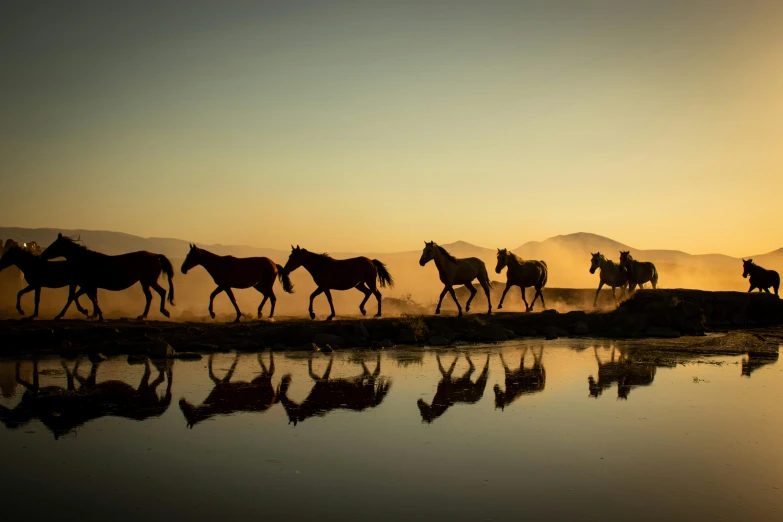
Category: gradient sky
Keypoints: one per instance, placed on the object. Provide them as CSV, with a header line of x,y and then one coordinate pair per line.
x,y
371,126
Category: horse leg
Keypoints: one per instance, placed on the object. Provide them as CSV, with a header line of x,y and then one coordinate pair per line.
x,y
72,292
148,296
377,294
539,293
472,290
261,306
37,301
595,301
442,294
505,290
272,303
96,310
318,291
367,293
212,296
484,282
527,307
162,293
28,288
331,305
454,296
230,295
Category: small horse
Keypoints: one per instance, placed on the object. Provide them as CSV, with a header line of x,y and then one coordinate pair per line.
x,y
340,274
522,273
230,272
453,271
93,270
611,274
639,272
40,274
760,278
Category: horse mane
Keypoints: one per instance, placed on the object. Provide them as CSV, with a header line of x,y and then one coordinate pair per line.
x,y
322,256
515,257
75,241
446,253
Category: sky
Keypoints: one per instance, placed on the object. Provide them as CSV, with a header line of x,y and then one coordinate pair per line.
x,y
371,126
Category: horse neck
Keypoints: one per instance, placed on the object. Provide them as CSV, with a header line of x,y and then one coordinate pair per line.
x,y
25,261
209,260
753,270
513,261
441,260
610,267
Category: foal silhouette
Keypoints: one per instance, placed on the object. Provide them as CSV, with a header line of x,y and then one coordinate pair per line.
x,y
229,397
354,393
451,391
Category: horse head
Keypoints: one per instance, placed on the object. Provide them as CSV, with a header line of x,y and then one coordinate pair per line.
x,y
295,260
193,259
10,257
625,258
595,262
502,260
747,266
428,254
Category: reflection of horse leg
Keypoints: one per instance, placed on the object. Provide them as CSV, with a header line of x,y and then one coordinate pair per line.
x,y
23,291
377,371
505,290
367,293
212,296
267,371
600,285
522,358
162,293
318,291
471,367
443,372
328,294
148,296
212,375
68,376
472,290
454,296
230,295
443,293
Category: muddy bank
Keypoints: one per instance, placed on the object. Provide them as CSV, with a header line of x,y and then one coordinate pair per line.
x,y
659,314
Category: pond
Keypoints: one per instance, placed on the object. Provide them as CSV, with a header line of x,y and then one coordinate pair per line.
x,y
586,430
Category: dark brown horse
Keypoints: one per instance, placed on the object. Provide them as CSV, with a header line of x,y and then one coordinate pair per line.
x,y
523,381
760,278
451,391
343,274
40,274
230,272
453,271
355,393
229,397
93,270
522,273
639,272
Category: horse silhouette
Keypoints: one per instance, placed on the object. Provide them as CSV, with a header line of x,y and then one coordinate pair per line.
x,y
354,393
453,271
522,273
40,274
610,274
230,272
639,272
329,274
625,372
62,410
524,381
229,397
452,391
760,278
94,270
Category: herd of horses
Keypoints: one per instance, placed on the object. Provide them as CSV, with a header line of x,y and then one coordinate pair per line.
x,y
85,271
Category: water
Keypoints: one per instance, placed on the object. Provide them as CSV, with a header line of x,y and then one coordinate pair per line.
x,y
697,441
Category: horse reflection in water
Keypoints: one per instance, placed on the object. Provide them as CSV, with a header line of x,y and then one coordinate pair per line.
x,y
355,393
524,381
625,372
756,360
62,410
451,391
229,397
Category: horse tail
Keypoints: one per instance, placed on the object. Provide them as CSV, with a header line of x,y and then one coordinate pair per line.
x,y
285,281
654,278
384,277
544,275
165,265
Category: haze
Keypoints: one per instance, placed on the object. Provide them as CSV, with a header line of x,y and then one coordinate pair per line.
x,y
373,126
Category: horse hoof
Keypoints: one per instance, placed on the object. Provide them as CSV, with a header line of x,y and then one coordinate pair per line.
x,y
377,315
85,313
165,313
236,321
330,318
500,307
21,312
467,309
212,314
312,315
57,318
141,317
437,312
363,311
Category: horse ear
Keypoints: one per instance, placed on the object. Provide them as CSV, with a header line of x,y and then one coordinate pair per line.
x,y
59,235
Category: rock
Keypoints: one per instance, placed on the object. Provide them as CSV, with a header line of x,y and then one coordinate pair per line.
x,y
326,349
136,359
322,339
406,337
438,340
376,345
278,347
553,332
581,328
188,356
96,357
361,330
662,331
160,350
493,333
550,311
386,343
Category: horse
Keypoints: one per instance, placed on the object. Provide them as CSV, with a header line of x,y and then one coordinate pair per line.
x,y
340,274
627,373
451,391
639,272
94,270
524,381
611,274
354,393
760,278
453,271
229,397
40,274
522,273
230,272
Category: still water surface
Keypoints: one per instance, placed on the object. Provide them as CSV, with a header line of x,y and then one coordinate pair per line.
x,y
422,437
